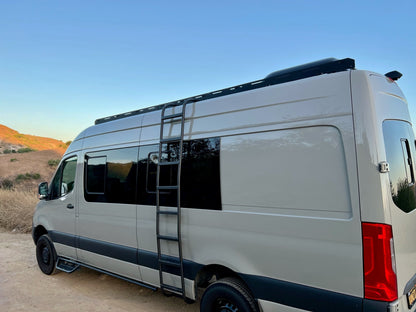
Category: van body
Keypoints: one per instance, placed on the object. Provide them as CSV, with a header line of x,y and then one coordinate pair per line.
x,y
291,193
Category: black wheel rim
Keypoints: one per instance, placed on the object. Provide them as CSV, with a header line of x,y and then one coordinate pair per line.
x,y
46,255
225,305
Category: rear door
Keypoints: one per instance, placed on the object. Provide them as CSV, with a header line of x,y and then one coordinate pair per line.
x,y
106,223
401,157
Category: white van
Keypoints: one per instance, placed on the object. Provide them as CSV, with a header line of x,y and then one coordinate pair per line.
x,y
291,193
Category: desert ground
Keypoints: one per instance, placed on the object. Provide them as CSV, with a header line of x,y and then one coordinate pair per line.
x,y
23,287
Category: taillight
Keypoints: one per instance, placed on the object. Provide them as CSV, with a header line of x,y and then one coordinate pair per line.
x,y
380,281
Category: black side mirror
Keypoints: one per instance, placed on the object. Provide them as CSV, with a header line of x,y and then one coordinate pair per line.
x,y
43,190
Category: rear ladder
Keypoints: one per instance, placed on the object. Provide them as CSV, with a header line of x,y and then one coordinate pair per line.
x,y
166,261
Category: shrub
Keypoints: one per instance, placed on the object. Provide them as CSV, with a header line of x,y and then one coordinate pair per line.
x,y
6,184
16,209
13,159
7,151
53,162
25,150
27,176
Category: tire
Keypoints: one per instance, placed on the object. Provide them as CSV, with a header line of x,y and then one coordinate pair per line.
x,y
228,295
46,255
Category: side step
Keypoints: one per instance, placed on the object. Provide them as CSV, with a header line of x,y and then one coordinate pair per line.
x,y
66,266
76,264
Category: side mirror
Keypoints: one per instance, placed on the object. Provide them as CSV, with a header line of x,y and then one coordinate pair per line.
x,y
43,190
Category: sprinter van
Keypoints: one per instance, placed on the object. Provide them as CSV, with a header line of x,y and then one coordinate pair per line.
x,y
295,192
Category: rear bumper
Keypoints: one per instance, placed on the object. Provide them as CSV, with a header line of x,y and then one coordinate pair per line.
x,y
376,306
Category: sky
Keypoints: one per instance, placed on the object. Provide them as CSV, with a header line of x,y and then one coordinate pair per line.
x,y
64,64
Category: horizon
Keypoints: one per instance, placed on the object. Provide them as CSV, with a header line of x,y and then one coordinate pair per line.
x,y
64,65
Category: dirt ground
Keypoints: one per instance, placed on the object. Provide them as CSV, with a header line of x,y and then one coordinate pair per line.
x,y
23,287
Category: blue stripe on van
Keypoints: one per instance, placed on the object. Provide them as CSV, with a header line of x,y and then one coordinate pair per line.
x,y
119,252
124,253
63,238
286,293
301,296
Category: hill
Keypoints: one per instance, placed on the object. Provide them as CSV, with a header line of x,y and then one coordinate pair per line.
x,y
25,161
20,174
12,140
26,170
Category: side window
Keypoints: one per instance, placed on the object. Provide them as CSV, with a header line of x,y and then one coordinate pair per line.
x,y
201,187
64,179
399,151
200,176
408,163
55,184
147,170
96,174
110,176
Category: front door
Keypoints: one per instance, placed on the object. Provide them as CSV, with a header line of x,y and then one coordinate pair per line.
x,y
63,207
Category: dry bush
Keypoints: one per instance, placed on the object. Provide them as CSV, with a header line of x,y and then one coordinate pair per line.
x,y
16,209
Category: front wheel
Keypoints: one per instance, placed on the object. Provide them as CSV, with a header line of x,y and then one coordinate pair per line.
x,y
46,255
228,295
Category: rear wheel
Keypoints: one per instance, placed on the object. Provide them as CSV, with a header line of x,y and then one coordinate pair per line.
x,y
46,255
228,295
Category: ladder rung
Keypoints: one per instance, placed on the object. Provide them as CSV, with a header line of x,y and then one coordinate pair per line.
x,y
172,288
167,212
169,238
170,263
167,187
172,116
173,139
169,163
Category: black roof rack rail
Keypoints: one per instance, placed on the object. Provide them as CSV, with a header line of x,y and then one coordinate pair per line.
x,y
325,66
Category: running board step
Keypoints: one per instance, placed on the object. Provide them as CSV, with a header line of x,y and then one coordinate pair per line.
x,y
66,266
172,289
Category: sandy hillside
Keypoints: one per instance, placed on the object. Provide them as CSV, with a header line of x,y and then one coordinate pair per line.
x,y
12,139
12,165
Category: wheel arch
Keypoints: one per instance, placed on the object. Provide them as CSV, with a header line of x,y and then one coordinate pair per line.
x,y
38,232
213,272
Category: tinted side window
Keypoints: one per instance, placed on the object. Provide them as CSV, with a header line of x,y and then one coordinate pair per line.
x,y
96,174
400,153
200,176
146,188
68,176
64,179
201,187
111,176
55,189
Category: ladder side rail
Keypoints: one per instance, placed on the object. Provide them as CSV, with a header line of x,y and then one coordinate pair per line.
x,y
158,199
179,198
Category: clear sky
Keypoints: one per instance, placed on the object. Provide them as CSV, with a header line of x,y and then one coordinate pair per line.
x,y
64,64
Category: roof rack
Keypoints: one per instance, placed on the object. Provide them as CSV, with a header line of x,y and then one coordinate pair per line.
x,y
325,66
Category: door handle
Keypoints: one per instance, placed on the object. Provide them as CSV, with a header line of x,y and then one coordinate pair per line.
x,y
70,206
